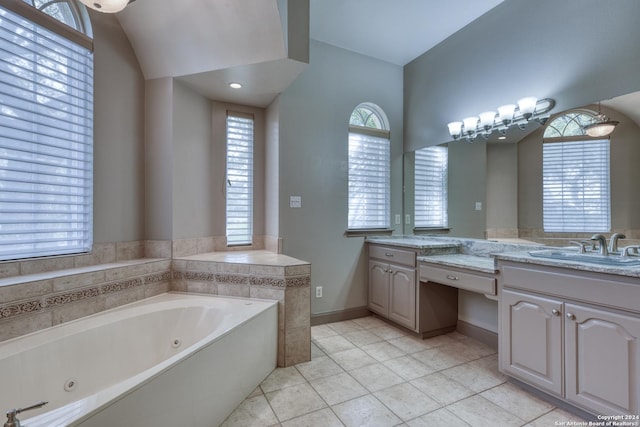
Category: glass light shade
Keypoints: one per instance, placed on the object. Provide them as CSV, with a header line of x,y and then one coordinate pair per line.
x,y
601,129
505,113
470,124
486,119
455,129
106,6
527,106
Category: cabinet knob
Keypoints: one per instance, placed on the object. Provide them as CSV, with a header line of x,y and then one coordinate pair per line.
x,y
388,254
571,316
555,312
450,277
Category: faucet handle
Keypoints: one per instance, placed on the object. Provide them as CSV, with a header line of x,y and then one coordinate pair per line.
x,y
12,421
626,251
581,245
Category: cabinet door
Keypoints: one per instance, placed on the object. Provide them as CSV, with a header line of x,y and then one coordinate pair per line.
x,y
379,287
402,296
531,339
602,360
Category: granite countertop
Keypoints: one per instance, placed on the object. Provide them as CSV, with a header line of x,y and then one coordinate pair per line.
x,y
525,257
414,242
483,264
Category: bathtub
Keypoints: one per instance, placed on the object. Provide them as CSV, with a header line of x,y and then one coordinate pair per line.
x,y
170,360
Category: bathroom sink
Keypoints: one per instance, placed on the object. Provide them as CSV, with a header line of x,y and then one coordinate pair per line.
x,y
591,258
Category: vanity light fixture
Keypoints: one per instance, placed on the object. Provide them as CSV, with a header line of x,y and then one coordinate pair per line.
x,y
601,125
527,109
235,85
107,6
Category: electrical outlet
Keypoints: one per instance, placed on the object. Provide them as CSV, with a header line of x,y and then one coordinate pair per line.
x,y
318,291
407,219
478,206
397,219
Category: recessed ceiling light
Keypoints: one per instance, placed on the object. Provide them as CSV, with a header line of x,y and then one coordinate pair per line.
x,y
235,85
502,137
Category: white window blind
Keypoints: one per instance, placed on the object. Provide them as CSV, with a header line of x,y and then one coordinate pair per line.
x,y
430,187
576,186
239,179
369,181
46,142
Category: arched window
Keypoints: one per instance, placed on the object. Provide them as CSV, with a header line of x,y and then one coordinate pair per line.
x,y
576,196
369,169
46,129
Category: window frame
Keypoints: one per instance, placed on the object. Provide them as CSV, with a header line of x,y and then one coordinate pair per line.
x,y
369,144
46,133
246,237
438,180
565,150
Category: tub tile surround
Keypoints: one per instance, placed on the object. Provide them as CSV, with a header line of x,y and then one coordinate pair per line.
x,y
354,384
39,293
256,274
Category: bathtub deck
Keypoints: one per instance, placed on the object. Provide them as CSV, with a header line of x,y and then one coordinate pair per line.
x,y
256,274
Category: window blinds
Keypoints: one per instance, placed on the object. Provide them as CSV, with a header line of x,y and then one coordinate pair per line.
x,y
576,186
369,181
239,179
430,187
46,142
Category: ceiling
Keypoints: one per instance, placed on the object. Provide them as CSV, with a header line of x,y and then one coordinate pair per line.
x,y
209,43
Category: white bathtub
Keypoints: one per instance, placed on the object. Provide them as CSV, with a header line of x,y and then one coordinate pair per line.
x,y
170,360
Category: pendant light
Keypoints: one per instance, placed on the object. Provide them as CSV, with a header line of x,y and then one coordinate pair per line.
x,y
601,125
106,6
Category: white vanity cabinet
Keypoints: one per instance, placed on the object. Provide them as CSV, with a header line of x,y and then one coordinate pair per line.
x,y
396,294
574,334
392,284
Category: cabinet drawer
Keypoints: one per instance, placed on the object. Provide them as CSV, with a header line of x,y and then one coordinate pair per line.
x,y
392,255
467,281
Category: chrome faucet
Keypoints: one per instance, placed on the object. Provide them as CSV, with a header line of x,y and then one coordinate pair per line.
x,y
12,421
602,243
613,242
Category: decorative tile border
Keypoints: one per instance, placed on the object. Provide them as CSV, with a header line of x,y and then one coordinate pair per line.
x,y
36,305
238,279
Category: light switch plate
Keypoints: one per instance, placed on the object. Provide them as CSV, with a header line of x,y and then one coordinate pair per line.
x,y
478,206
295,201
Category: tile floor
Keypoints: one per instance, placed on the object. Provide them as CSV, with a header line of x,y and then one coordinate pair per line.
x,y
365,372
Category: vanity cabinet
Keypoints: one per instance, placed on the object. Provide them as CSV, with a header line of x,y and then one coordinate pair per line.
x,y
392,284
564,333
396,294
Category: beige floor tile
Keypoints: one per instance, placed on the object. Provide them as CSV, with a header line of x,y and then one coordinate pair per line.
x,y
406,401
338,388
294,401
376,377
438,418
254,411
281,378
345,326
370,322
334,344
440,358
362,338
315,351
322,331
409,344
256,392
365,411
473,377
382,351
318,368
322,418
352,359
408,367
438,341
517,401
557,417
442,389
480,412
387,332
